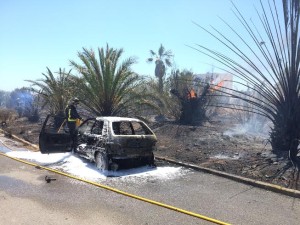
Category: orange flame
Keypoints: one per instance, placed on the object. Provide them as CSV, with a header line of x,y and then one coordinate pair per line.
x,y
218,86
192,94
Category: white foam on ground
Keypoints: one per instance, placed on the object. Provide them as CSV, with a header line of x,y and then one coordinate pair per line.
x,y
145,173
42,159
82,168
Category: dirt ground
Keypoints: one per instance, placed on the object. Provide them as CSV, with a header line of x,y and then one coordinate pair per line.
x,y
219,144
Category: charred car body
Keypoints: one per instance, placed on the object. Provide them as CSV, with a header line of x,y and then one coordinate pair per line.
x,y
108,141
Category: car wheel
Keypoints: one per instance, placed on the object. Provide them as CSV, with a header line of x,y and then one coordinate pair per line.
x,y
150,160
101,160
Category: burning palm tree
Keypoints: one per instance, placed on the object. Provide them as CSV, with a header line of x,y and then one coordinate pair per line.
x,y
193,107
272,68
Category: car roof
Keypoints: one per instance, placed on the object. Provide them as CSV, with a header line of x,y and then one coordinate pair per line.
x,y
117,118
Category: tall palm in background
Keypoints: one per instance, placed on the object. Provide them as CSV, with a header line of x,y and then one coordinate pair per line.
x,y
54,92
107,86
270,63
162,59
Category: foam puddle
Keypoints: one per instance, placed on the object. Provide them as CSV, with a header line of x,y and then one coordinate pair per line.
x,y
79,167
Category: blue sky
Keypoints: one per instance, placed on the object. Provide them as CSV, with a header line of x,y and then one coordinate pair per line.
x,y
36,34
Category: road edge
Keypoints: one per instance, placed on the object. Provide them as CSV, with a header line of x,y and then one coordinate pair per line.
x,y
255,183
35,147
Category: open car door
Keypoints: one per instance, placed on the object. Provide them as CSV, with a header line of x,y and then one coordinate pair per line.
x,y
54,136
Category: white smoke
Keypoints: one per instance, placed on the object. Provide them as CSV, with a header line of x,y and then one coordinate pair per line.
x,y
254,126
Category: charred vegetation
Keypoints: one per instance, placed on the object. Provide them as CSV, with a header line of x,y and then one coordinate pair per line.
x,y
269,62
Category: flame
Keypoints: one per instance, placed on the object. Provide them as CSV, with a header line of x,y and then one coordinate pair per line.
x,y
192,94
218,86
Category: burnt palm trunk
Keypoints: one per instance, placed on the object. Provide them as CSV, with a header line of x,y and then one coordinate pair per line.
x,y
160,71
293,151
285,134
160,84
193,109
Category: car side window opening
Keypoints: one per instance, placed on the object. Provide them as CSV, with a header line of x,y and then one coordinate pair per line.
x,y
54,125
50,126
125,128
122,128
130,128
140,128
116,128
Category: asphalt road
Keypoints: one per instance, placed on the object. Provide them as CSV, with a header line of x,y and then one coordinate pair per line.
x,y
26,198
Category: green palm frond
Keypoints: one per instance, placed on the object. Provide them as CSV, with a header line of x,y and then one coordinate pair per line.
x,y
108,86
54,92
152,53
161,50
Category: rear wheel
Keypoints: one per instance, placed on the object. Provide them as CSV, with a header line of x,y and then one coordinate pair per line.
x,y
150,160
101,160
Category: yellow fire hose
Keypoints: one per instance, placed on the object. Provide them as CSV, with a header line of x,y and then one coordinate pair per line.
x,y
121,192
63,123
77,122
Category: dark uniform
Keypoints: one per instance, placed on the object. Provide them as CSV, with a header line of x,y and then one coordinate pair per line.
x,y
71,116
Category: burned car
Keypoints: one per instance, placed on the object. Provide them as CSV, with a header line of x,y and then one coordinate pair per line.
x,y
107,141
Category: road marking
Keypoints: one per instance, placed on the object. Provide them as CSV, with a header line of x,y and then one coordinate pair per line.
x,y
122,192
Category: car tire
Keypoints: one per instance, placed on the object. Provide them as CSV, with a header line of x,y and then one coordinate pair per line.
x,y
150,160
101,161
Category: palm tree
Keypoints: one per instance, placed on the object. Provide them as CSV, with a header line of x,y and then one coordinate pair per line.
x,y
54,92
162,59
164,104
108,87
274,74
184,86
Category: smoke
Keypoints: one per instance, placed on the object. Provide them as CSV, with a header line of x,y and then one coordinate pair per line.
x,y
20,98
25,99
255,126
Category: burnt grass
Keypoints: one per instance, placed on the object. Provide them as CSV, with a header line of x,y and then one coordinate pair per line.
x,y
212,145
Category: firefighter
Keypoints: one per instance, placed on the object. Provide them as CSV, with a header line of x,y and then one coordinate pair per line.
x,y
72,116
